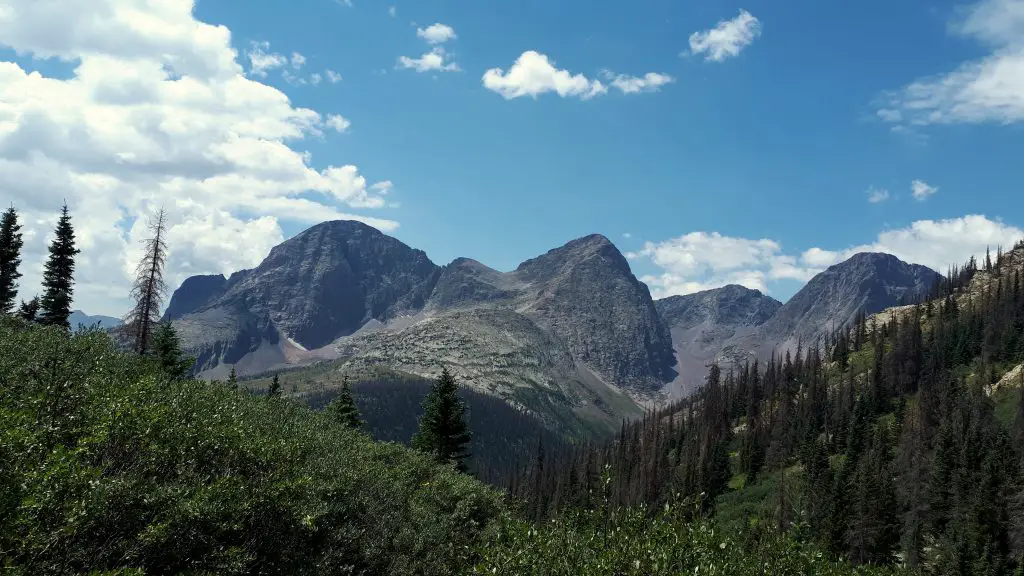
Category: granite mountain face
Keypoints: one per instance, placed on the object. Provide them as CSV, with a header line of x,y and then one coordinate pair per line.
x,y
701,323
867,282
572,328
571,335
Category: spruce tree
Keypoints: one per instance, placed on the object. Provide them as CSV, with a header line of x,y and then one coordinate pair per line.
x,y
443,431
233,379
10,258
58,275
29,311
148,289
166,349
275,387
343,409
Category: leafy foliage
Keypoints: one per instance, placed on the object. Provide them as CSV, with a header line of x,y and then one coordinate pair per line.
x,y
109,466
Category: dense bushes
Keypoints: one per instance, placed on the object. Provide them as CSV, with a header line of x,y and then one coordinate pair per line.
x,y
632,542
106,465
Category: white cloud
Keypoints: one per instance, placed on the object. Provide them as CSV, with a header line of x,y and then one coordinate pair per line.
x,y
921,190
337,122
382,187
261,61
437,60
332,76
701,260
298,60
727,39
533,74
986,90
315,79
876,195
392,11
627,235
650,82
436,33
158,111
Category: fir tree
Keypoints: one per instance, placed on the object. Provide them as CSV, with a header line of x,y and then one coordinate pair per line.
x,y
29,311
343,409
275,387
443,431
58,275
10,258
233,379
148,290
167,351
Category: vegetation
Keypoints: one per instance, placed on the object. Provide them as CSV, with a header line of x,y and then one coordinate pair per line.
x,y
882,445
148,290
109,464
443,431
10,258
58,275
343,409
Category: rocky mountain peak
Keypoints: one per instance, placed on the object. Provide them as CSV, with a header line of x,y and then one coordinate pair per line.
x,y
731,305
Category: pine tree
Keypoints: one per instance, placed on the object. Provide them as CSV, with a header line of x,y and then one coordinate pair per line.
x,y
167,351
275,387
233,379
148,290
10,258
343,409
443,431
29,310
58,275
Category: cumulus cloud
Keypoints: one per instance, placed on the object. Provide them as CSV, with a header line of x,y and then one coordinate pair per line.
x,y
338,123
158,111
332,76
534,74
437,60
727,39
921,190
989,89
702,260
876,195
436,33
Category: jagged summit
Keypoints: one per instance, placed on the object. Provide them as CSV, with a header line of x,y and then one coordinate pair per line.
x,y
345,290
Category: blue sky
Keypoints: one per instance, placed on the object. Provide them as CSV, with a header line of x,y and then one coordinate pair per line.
x,y
779,142
754,167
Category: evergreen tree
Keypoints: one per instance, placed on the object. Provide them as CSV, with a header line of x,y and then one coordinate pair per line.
x,y
443,431
148,290
275,387
233,379
10,258
58,275
343,409
166,349
29,310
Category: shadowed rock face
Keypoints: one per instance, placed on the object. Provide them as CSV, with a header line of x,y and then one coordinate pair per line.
x,y
702,322
337,277
867,282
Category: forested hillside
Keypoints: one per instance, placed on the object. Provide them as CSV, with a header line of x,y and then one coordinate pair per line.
x,y
892,442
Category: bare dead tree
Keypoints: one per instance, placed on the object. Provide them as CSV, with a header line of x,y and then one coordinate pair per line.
x,y
149,288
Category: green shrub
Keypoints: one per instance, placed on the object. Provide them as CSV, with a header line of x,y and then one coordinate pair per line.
x,y
634,542
107,466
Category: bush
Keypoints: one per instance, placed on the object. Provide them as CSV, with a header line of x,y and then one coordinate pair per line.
x,y
107,466
633,541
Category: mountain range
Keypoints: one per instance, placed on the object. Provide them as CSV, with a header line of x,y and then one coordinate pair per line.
x,y
571,335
